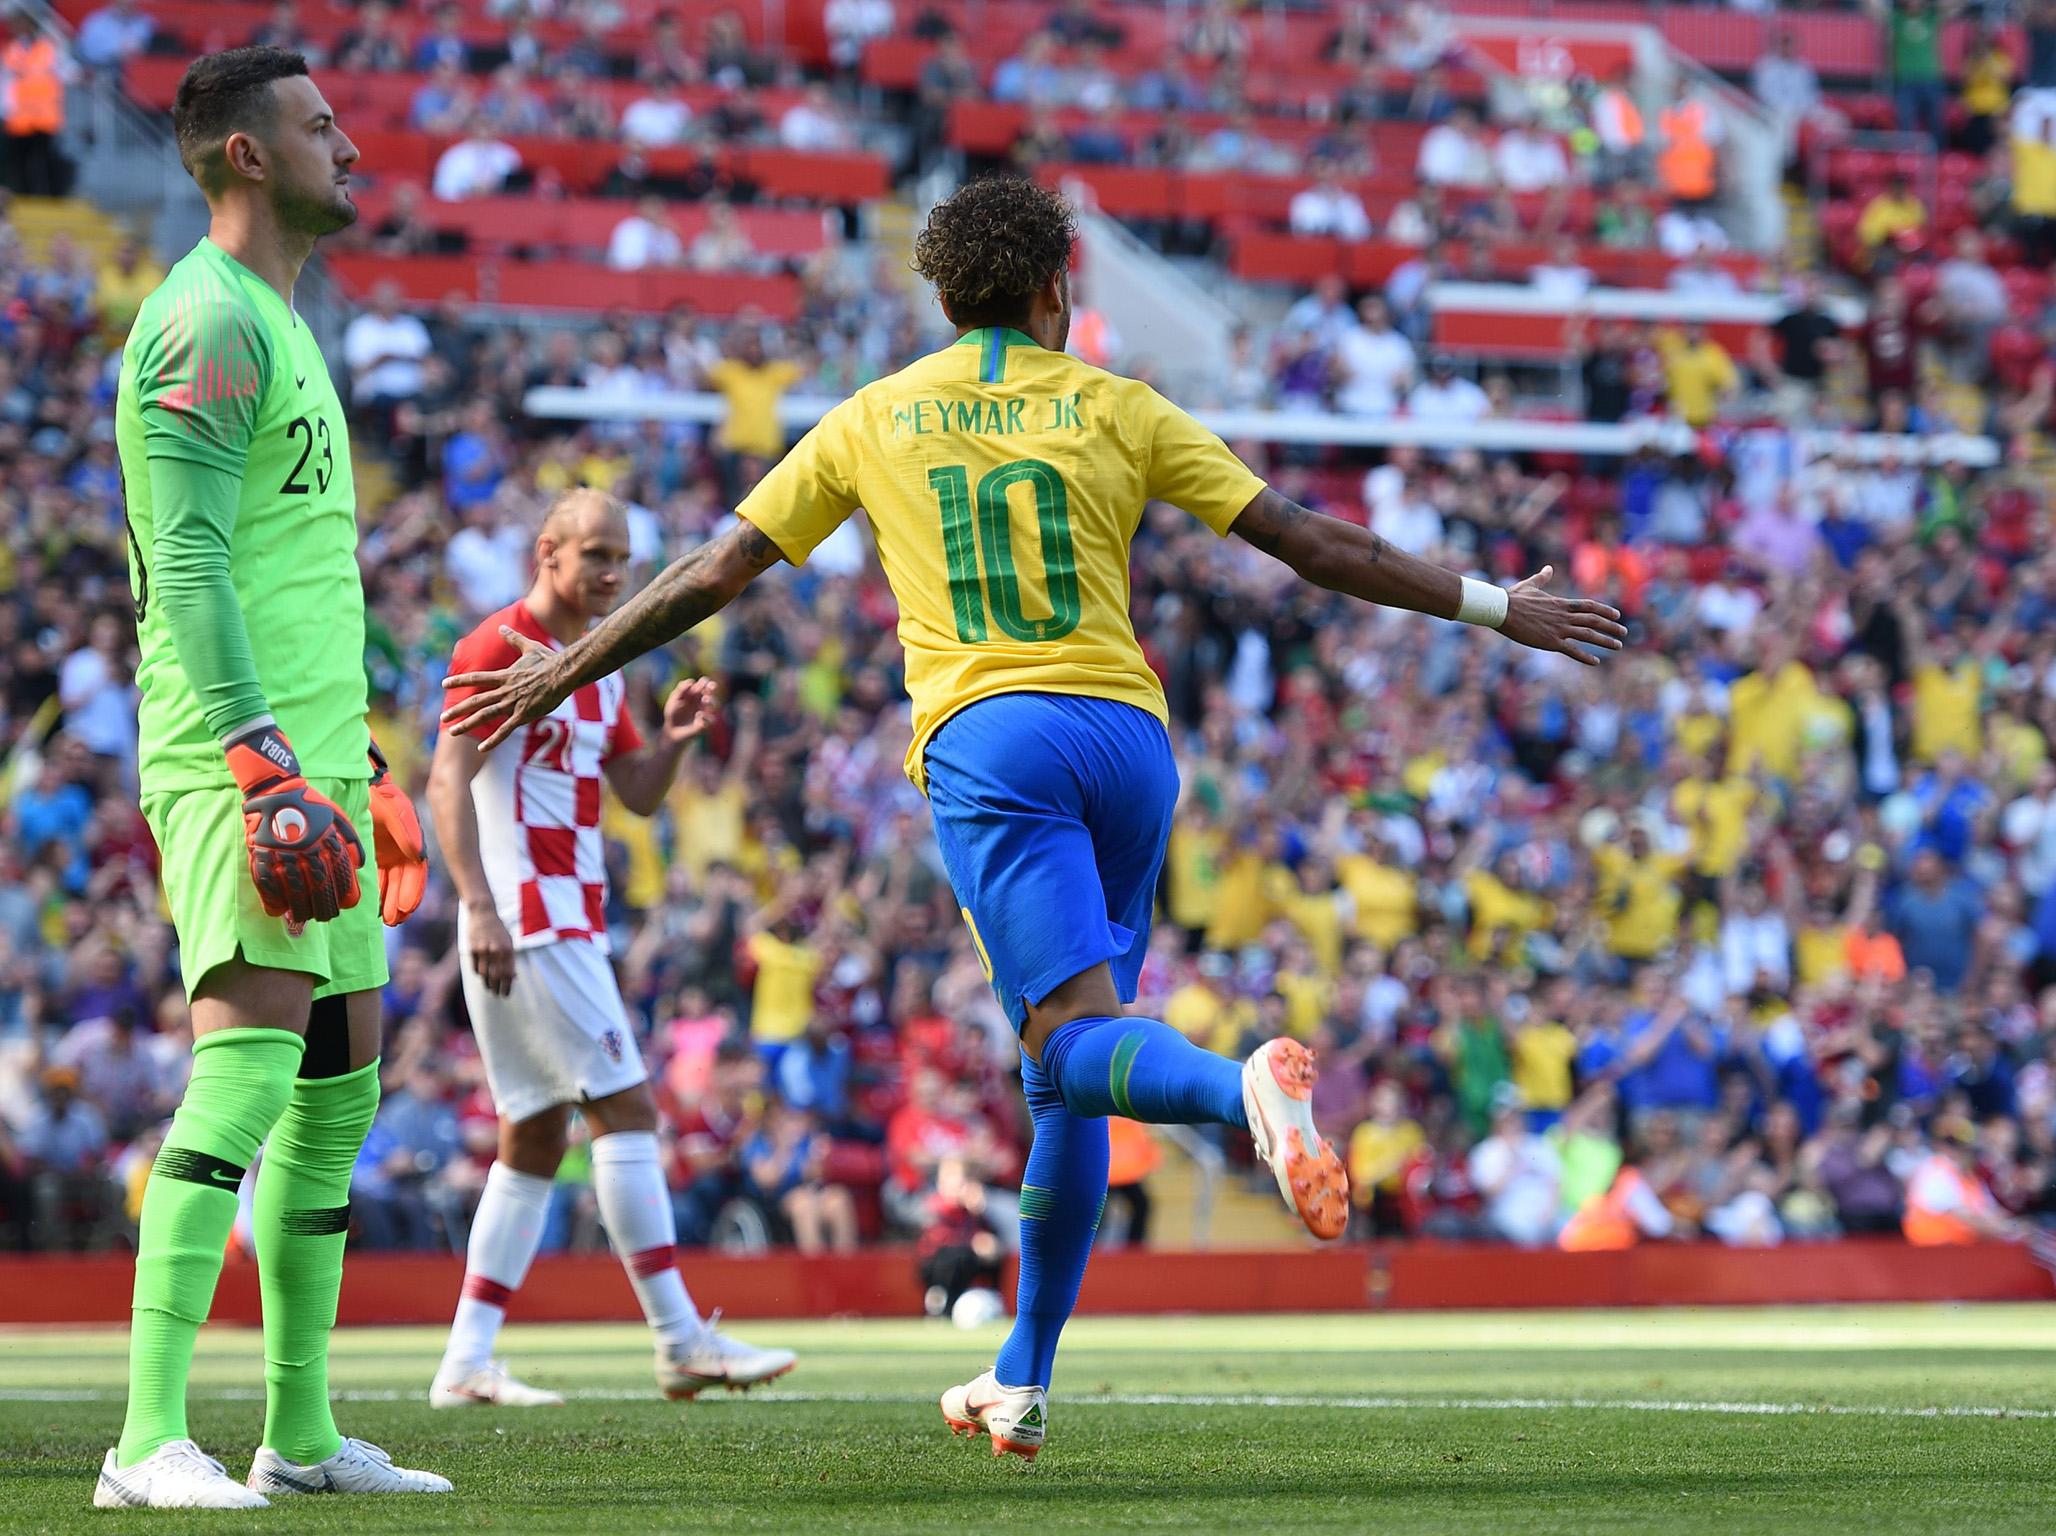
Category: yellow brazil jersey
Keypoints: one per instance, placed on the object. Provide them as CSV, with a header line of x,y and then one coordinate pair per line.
x,y
1542,1056
2022,748
2034,178
1716,813
752,392
1697,733
1377,1153
782,1003
1498,911
1240,906
1387,903
1003,483
1768,715
1316,914
1192,865
1307,999
1945,711
1821,953
1639,899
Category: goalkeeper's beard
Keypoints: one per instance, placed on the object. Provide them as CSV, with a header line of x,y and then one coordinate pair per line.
x,y
315,212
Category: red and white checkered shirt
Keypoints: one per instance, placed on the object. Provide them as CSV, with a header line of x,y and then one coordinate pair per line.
x,y
538,797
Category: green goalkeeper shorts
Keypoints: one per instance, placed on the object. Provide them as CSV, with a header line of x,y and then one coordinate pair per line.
x,y
214,904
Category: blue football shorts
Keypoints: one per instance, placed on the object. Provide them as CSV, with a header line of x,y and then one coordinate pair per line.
x,y
1053,812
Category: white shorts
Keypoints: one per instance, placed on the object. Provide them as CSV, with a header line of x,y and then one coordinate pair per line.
x,y
560,1036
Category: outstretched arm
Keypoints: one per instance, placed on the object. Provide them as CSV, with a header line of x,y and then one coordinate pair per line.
x,y
691,589
1354,561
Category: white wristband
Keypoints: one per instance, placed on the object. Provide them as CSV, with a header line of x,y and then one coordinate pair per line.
x,y
1483,603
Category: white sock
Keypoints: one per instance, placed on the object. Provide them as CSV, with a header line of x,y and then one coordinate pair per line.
x,y
504,1237
635,1208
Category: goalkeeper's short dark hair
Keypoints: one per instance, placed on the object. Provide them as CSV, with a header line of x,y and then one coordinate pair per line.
x,y
224,93
991,246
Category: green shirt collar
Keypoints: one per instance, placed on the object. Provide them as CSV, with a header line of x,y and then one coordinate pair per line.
x,y
1008,337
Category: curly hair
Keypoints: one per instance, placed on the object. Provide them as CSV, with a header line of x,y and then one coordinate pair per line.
x,y
992,245
225,93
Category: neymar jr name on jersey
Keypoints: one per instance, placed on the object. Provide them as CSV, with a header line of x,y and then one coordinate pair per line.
x,y
989,418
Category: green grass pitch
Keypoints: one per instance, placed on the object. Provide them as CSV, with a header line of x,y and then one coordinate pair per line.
x,y
1857,1419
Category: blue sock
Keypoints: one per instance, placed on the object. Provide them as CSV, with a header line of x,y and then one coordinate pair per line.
x,y
1063,1189
1142,1070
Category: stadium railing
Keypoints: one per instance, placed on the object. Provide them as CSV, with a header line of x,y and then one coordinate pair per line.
x,y
798,412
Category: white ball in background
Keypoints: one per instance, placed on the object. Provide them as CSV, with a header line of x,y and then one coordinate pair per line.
x,y
977,1309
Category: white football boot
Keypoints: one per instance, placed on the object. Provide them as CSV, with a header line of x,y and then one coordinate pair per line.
x,y
1277,1096
177,1475
358,1466
1015,1417
712,1359
487,1385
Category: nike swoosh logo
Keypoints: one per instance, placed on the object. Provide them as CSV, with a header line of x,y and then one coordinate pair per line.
x,y
281,1480
219,1178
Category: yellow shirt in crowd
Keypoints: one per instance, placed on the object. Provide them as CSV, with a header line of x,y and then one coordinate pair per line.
x,y
752,392
1377,1153
1696,376
1386,898
1192,865
783,999
1716,813
1767,719
1886,216
1640,900
1207,1019
1945,710
1541,1063
1498,911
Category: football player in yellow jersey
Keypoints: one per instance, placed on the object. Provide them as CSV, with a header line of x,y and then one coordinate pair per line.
x,y
1004,482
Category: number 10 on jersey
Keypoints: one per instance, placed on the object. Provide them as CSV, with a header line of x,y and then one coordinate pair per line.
x,y
976,532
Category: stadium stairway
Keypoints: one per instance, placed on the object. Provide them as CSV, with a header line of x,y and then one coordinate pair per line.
x,y
890,225
1245,1215
373,473
38,219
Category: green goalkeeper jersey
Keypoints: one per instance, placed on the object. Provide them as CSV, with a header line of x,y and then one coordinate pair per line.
x,y
242,529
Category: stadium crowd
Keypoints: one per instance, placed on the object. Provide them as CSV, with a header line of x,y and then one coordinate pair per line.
x,y
1748,933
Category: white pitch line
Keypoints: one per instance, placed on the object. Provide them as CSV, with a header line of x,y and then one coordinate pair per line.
x,y
1171,1400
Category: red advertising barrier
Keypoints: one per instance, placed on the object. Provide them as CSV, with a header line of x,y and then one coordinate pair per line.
x,y
408,1288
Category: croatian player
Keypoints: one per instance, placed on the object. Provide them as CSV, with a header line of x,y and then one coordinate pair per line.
x,y
1004,482
520,830
256,771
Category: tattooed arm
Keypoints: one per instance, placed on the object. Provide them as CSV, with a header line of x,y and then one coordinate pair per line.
x,y
1345,558
1357,563
691,589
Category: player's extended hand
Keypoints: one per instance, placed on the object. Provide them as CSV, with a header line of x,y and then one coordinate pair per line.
x,y
304,854
1538,618
491,949
402,854
689,710
512,696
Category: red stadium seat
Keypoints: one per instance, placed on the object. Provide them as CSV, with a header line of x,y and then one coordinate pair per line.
x,y
421,279
2016,351
1285,258
2027,292
826,178
1123,192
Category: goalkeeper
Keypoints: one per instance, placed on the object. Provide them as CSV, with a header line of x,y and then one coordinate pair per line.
x,y
261,784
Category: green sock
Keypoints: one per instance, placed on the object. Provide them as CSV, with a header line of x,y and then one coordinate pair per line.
x,y
303,1220
241,1079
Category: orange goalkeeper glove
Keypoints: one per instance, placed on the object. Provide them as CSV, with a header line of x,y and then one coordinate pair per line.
x,y
402,855
304,854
